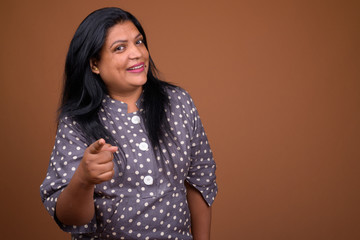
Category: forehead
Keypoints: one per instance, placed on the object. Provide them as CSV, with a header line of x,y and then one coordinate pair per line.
x,y
122,31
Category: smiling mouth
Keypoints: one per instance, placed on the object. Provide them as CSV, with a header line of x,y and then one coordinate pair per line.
x,y
136,67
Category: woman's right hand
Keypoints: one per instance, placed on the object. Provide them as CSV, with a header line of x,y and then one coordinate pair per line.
x,y
75,205
97,164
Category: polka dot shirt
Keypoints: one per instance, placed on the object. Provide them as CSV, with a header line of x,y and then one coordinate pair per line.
x,y
146,198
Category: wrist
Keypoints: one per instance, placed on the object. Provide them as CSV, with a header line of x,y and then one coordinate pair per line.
x,y
81,181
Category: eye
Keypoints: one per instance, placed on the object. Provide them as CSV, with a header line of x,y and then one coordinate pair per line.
x,y
140,41
120,48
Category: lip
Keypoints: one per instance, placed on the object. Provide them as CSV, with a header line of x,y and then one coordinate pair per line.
x,y
138,68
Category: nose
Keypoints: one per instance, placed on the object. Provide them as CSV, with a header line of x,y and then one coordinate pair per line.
x,y
135,52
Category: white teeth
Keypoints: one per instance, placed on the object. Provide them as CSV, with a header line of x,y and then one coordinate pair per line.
x,y
137,67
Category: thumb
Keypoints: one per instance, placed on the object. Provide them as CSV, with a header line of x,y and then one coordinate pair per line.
x,y
96,146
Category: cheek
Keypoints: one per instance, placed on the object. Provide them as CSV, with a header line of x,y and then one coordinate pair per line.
x,y
145,54
147,62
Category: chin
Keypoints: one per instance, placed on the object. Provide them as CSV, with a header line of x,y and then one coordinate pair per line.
x,y
139,83
142,81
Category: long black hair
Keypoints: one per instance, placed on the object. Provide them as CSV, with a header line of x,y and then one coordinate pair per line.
x,y
84,90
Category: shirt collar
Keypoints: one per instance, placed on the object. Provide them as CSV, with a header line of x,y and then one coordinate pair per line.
x,y
120,106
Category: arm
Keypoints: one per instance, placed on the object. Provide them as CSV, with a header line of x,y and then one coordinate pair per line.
x,y
201,180
75,205
200,214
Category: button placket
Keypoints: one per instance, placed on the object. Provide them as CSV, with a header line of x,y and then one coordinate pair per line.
x,y
147,184
148,180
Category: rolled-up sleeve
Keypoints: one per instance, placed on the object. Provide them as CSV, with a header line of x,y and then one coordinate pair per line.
x,y
202,169
67,153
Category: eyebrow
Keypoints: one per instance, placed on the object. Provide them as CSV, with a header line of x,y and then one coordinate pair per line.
x,y
124,41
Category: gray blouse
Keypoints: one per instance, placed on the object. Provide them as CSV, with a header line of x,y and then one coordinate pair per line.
x,y
146,198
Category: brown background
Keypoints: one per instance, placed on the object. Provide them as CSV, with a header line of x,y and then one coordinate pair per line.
x,y
277,84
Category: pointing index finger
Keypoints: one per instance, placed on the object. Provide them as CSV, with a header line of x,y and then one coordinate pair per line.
x,y
96,146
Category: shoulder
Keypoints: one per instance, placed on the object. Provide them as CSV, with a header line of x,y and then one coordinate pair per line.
x,y
69,127
66,121
181,103
176,93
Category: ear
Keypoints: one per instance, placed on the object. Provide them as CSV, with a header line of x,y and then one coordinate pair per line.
x,y
93,65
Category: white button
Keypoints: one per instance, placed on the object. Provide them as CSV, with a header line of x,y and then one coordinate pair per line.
x,y
143,146
148,180
135,119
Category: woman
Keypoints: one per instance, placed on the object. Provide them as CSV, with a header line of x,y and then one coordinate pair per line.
x,y
131,159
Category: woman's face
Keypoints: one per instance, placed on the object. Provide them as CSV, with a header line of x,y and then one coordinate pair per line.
x,y
124,60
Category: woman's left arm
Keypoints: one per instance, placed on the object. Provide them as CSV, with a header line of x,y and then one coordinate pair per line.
x,y
201,179
200,214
